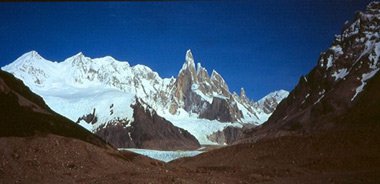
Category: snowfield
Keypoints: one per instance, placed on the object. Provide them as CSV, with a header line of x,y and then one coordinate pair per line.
x,y
109,104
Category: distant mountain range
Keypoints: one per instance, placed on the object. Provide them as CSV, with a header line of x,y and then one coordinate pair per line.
x,y
106,89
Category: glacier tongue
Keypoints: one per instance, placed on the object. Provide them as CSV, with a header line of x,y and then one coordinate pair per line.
x,y
80,85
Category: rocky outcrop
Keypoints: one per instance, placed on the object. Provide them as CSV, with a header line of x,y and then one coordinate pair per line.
x,y
89,118
227,136
117,133
230,134
221,110
209,96
219,85
188,91
324,97
186,78
147,130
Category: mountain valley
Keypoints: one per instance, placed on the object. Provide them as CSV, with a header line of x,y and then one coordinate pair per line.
x,y
79,120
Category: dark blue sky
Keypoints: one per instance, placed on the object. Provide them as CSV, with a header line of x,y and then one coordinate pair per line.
x,y
262,45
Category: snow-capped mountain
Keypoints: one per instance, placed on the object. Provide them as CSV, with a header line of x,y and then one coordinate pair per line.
x,y
341,88
79,87
270,101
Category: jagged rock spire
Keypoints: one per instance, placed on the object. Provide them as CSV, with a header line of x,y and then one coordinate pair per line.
x,y
189,57
189,66
242,93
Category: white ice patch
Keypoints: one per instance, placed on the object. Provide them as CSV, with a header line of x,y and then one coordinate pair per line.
x,y
305,78
374,57
130,137
352,30
216,95
307,95
284,118
319,99
337,49
340,74
365,77
369,45
195,89
329,62
321,94
165,156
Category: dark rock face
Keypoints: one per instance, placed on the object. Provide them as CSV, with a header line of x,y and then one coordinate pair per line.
x,y
194,103
25,114
366,111
230,134
217,110
227,136
325,96
89,118
154,132
221,110
117,134
149,131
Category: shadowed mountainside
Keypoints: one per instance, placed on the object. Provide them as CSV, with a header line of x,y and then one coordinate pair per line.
x,y
149,131
327,130
26,114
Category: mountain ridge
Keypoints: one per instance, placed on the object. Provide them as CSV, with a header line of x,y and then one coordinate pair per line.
x,y
333,87
79,85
